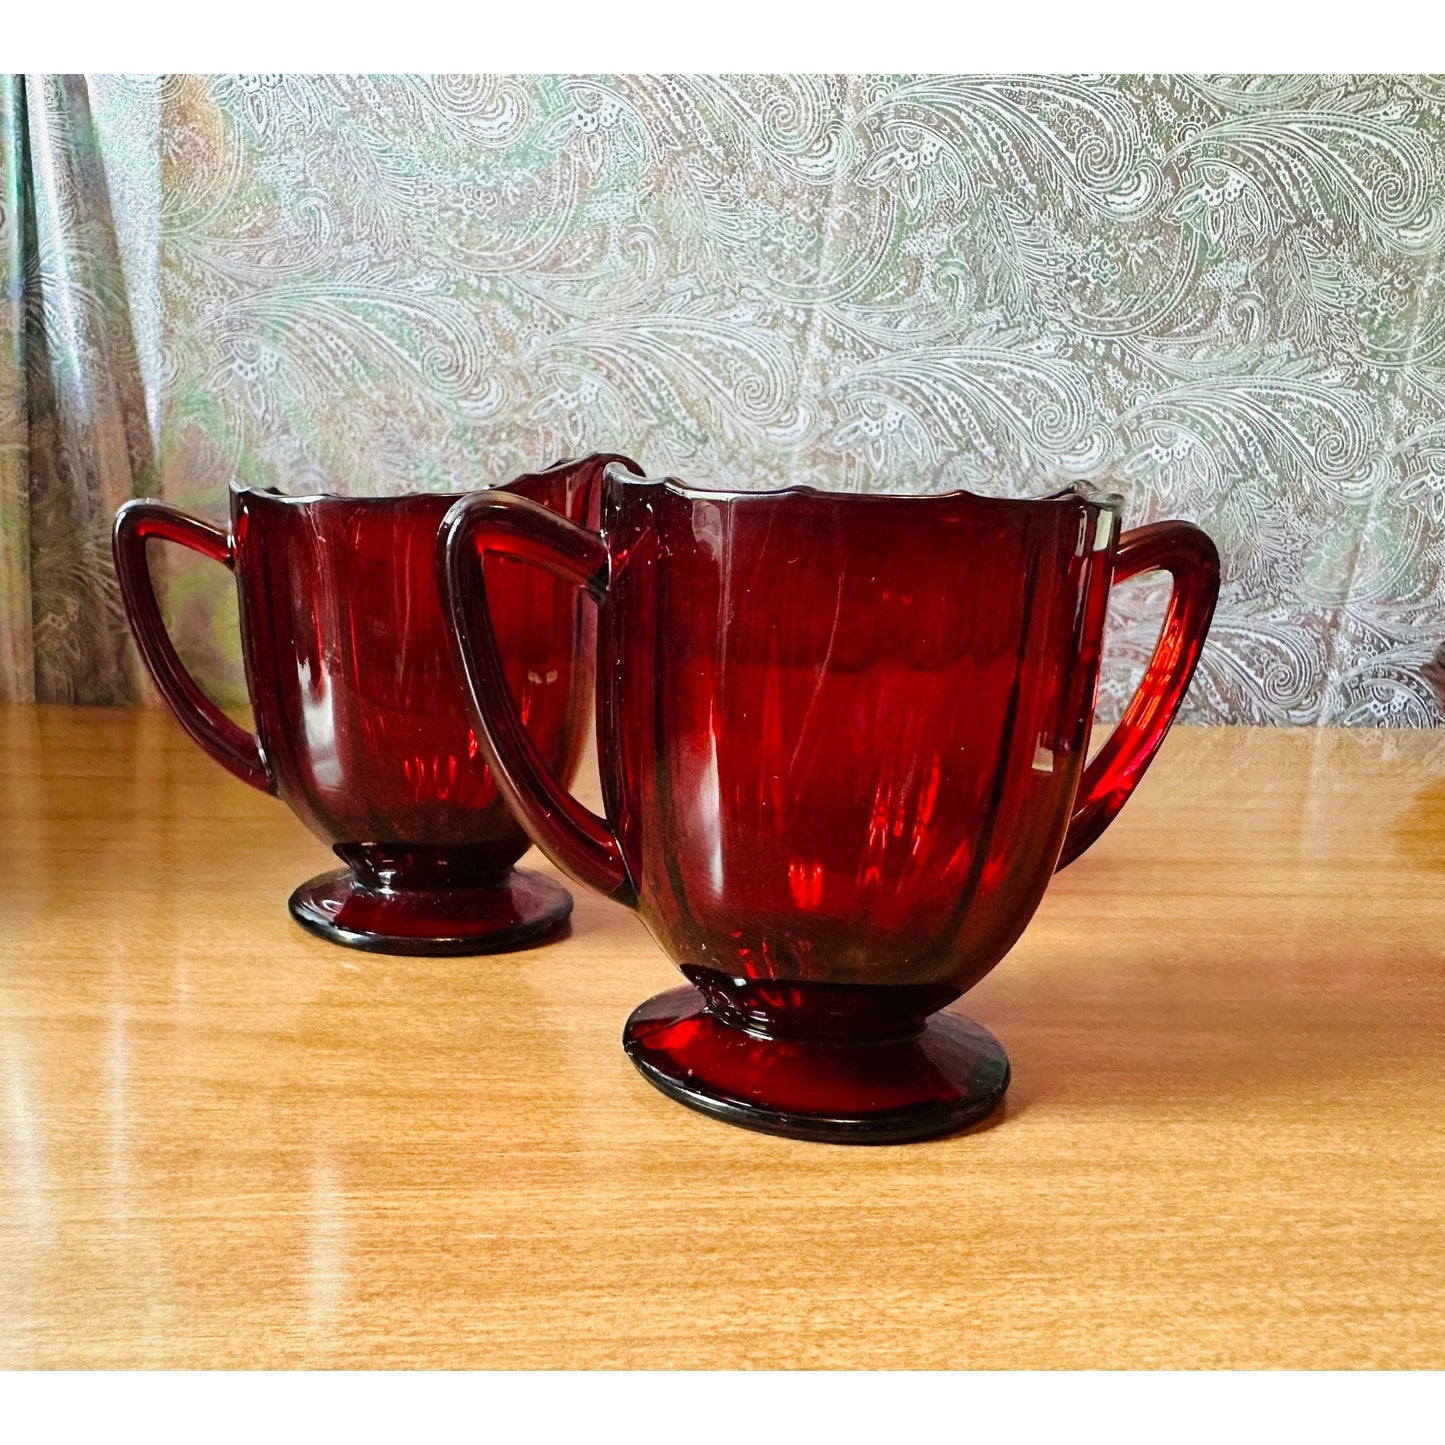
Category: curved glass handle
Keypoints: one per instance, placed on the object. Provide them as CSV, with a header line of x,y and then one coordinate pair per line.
x,y
1188,555
574,838
230,744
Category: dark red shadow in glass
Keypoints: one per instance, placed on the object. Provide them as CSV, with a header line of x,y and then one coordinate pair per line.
x,y
361,726
843,744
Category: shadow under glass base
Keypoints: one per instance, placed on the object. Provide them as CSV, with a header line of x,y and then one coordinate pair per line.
x,y
949,1074
521,909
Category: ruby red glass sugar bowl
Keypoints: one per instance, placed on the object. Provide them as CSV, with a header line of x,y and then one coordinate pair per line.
x,y
1434,672
361,725
842,744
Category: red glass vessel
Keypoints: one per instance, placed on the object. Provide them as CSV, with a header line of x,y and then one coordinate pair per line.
x,y
361,726
843,745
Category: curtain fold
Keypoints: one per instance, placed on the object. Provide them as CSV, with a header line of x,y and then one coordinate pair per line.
x,y
77,439
17,653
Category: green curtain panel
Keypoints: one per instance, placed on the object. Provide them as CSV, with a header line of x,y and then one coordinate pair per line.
x,y
1223,295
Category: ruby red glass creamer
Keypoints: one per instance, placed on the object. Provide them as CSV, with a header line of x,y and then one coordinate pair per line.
x,y
361,725
843,745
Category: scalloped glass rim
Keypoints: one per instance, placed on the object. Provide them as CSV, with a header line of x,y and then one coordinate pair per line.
x,y
275,494
1104,501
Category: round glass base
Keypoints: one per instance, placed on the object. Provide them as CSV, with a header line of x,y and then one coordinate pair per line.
x,y
518,911
949,1074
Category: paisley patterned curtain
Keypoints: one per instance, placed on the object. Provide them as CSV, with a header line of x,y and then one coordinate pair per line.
x,y
1224,296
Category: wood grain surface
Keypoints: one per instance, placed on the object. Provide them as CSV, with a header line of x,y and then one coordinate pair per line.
x,y
226,1143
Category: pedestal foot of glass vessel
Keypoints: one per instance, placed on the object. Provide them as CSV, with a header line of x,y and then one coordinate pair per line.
x,y
903,1073
520,909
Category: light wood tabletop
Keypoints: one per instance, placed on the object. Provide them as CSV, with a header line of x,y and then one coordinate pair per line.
x,y
224,1142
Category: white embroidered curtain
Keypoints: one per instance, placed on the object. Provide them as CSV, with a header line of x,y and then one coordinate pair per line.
x,y
1223,295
